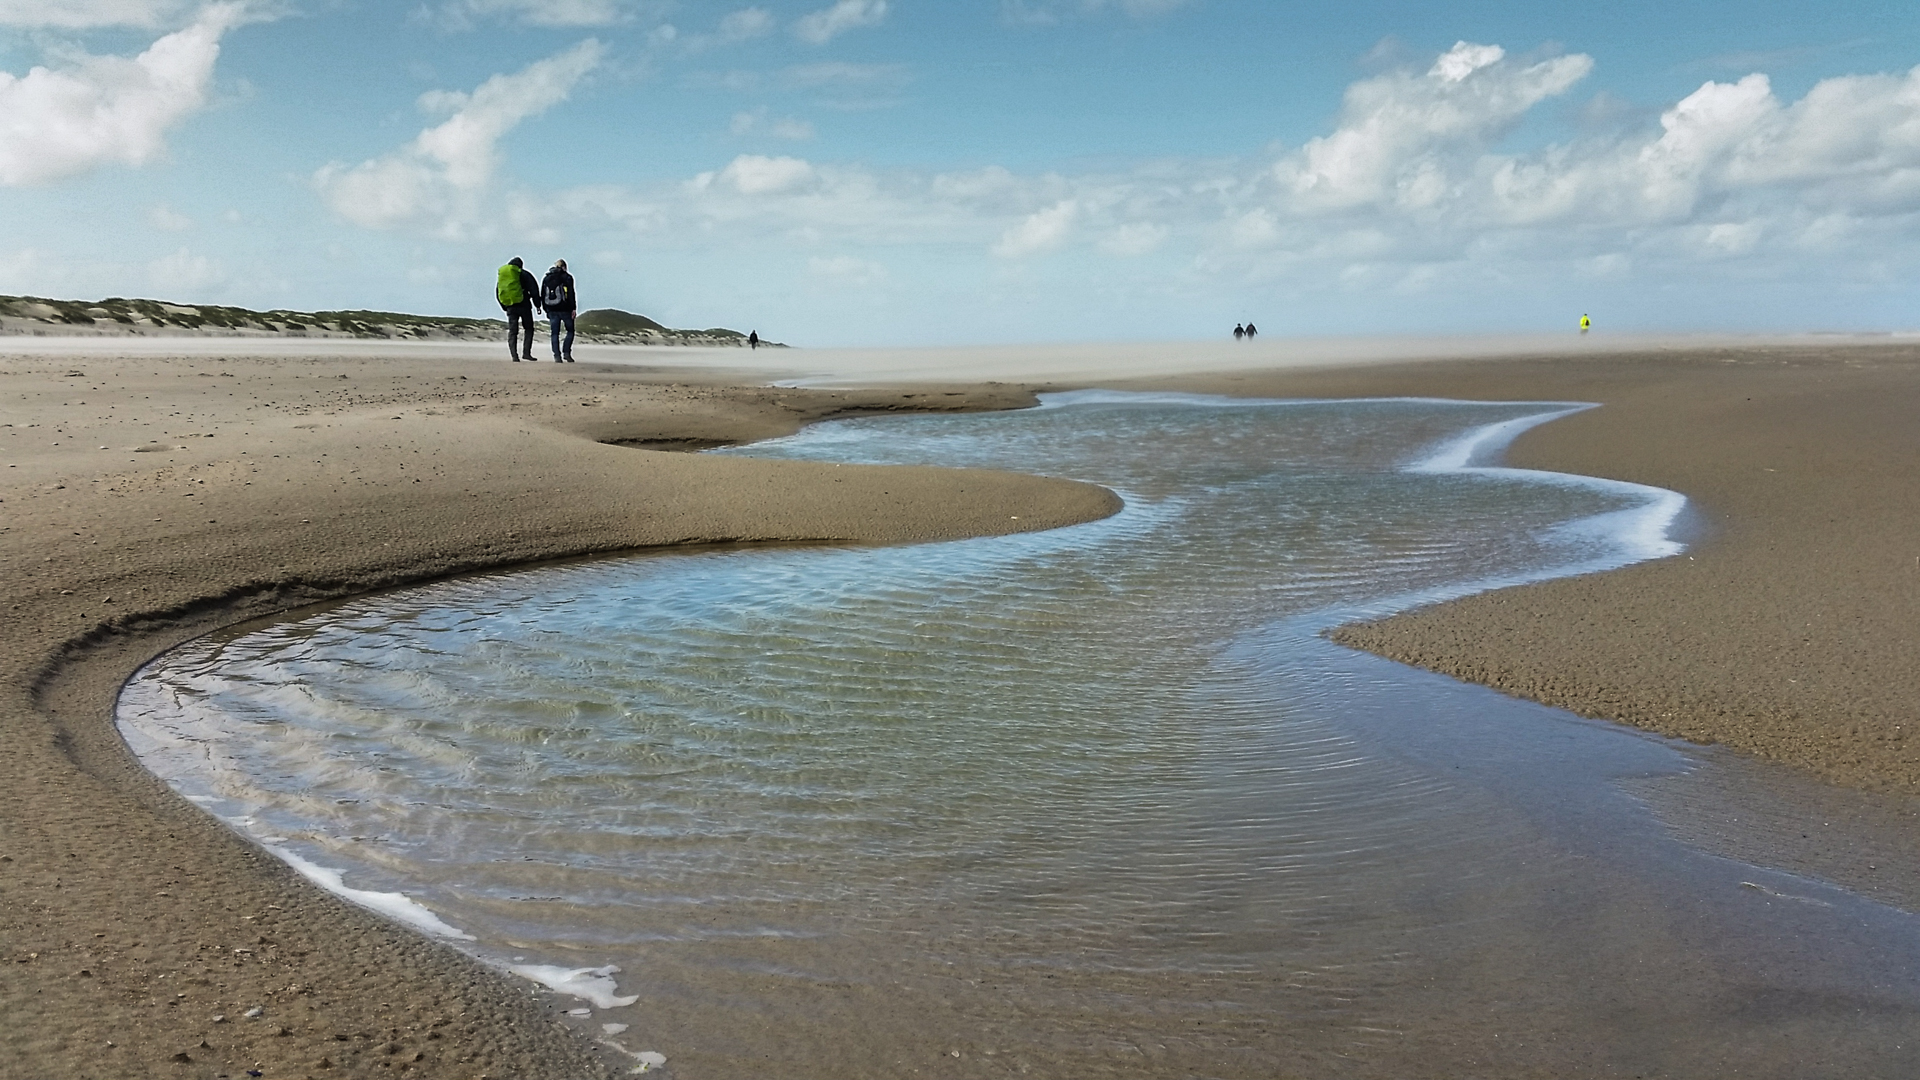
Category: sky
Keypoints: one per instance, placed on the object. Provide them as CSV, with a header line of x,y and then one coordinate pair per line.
x,y
908,172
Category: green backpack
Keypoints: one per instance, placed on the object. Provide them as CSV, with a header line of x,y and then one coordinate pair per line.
x,y
508,291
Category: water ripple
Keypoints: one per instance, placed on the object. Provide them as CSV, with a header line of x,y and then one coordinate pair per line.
x,y
1095,786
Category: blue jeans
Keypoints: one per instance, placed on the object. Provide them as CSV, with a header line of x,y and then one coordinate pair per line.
x,y
554,319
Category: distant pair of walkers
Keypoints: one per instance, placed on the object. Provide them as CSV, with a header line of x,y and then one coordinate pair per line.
x,y
519,295
1243,332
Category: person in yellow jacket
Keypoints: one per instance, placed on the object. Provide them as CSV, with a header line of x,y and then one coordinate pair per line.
x,y
1586,324
518,294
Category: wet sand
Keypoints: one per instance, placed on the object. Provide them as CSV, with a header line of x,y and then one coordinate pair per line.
x,y
232,488
1790,628
236,488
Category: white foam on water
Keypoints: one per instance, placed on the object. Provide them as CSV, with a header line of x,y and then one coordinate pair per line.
x,y
1641,532
395,906
594,985
1477,444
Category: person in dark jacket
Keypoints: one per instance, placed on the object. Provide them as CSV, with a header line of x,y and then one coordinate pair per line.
x,y
556,292
518,294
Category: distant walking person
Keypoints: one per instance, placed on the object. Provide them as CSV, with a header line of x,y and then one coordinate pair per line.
x,y
1586,324
1251,330
556,293
1239,331
753,339
518,293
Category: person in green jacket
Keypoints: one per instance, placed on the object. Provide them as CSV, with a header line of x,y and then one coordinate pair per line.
x,y
518,294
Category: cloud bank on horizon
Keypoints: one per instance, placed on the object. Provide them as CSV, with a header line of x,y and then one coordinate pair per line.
x,y
1466,189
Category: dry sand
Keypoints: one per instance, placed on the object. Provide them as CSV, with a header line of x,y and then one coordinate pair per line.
x,y
233,487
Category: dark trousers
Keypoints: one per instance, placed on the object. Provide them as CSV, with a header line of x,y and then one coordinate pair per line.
x,y
519,319
554,319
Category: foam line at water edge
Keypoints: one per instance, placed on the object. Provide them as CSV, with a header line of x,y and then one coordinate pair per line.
x,y
594,985
1643,532
1478,444
1062,399
395,906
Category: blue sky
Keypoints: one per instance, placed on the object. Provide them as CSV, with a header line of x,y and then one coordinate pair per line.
x,y
909,172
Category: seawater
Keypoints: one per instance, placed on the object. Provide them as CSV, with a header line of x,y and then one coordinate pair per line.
x,y
1098,801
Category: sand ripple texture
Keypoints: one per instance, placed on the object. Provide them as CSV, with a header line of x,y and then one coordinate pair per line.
x,y
1098,801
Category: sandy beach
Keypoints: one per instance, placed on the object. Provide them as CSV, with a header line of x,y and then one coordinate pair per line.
x,y
151,496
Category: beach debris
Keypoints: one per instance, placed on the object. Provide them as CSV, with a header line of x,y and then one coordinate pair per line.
x,y
254,1013
579,1012
219,1018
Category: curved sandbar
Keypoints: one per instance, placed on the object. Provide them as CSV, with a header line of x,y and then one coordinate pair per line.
x,y
1789,630
149,499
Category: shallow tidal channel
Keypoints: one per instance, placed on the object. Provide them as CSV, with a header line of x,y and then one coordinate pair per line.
x,y
1099,801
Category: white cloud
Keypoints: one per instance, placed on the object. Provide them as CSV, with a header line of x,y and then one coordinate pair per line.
x,y
161,217
846,86
462,14
826,24
1134,239
88,14
757,122
745,24
847,270
1412,173
840,73
1410,191
182,274
752,174
1040,231
1399,134
443,173
1048,12
101,109
791,129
